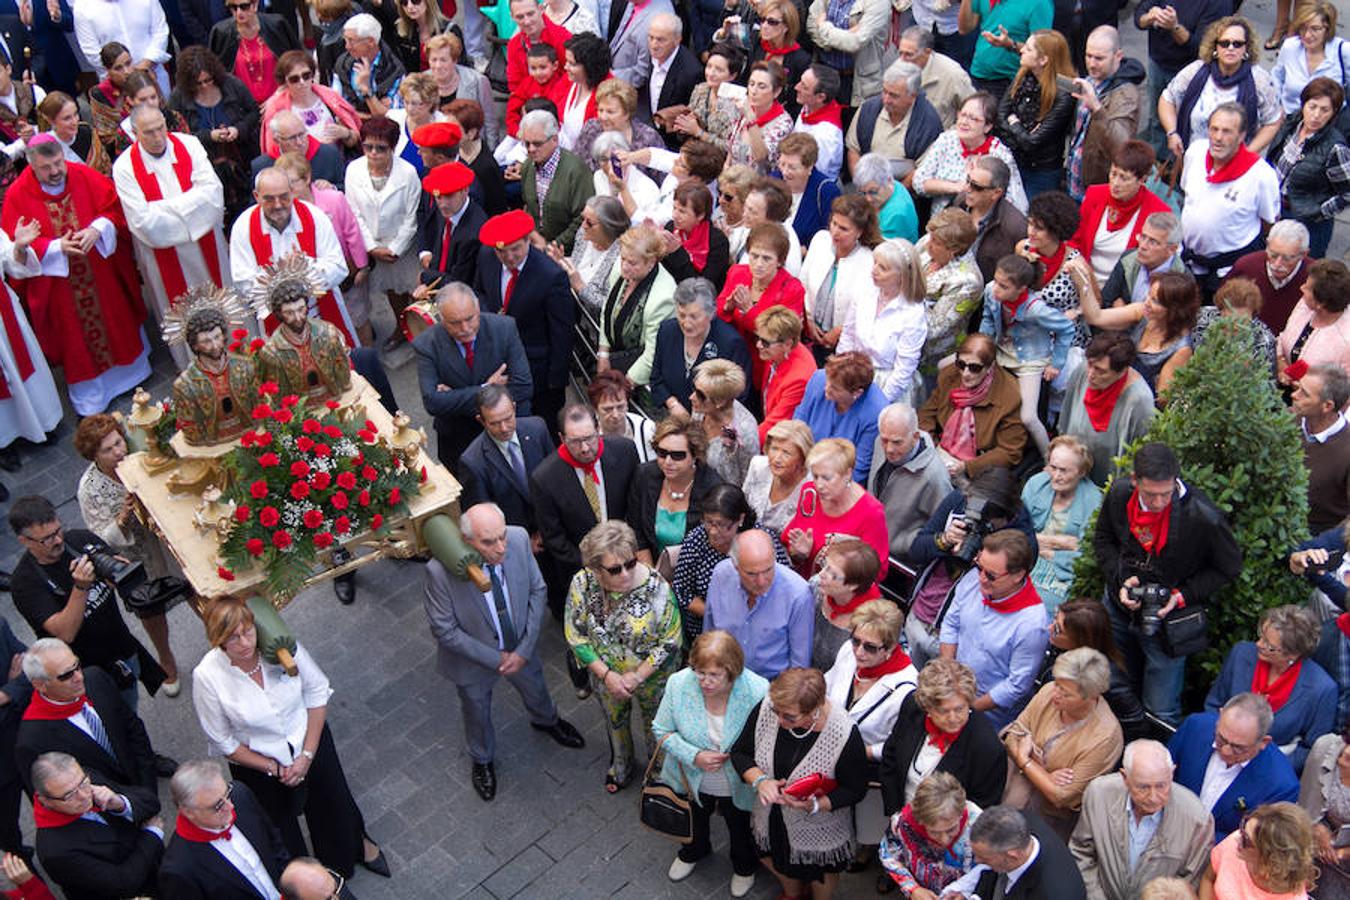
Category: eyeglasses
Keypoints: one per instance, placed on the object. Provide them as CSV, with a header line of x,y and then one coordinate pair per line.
x,y
69,795
868,646
299,77
1220,741
409,2
224,802
339,883
700,396
375,148
1268,647
621,568
677,455
972,368
581,441
765,342
48,539
773,22
977,187
286,138
529,144
1230,45
992,576
69,673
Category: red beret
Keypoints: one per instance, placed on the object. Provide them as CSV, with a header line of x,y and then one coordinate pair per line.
x,y
438,134
447,178
506,228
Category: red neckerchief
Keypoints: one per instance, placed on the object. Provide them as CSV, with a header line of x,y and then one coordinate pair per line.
x,y
1118,214
1101,403
1343,623
195,833
1277,691
571,460
907,813
771,52
166,258
42,709
1148,528
941,739
831,112
1012,308
982,150
1021,599
696,243
774,112
1053,263
893,663
843,609
1232,170
112,93
50,818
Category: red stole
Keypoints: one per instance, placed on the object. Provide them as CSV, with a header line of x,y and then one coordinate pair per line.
x,y
1277,691
830,112
1148,528
42,709
982,150
195,833
696,242
1101,403
17,344
893,663
166,258
844,609
306,239
50,818
941,739
1019,600
589,469
1232,170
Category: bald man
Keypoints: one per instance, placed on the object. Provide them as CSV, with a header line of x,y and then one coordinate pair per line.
x,y
1110,94
765,605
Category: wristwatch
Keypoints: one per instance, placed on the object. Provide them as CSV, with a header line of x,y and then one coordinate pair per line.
x,y
308,754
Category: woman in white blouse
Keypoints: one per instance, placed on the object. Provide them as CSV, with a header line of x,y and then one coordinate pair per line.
x,y
890,323
838,269
384,192
271,728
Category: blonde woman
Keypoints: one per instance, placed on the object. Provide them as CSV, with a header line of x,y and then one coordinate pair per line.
x,y
774,480
1270,857
418,22
641,297
420,96
890,323
730,428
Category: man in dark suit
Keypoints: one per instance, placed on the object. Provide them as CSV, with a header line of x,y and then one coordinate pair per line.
x,y
20,52
482,636
1228,760
97,839
220,828
468,350
501,459
448,238
520,281
1019,858
80,712
13,701
675,72
557,205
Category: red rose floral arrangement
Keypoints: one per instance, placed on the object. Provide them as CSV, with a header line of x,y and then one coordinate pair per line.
x,y
304,481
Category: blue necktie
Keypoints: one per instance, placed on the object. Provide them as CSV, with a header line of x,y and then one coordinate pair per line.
x,y
517,463
509,639
97,731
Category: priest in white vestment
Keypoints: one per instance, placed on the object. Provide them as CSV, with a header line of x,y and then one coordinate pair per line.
x,y
29,404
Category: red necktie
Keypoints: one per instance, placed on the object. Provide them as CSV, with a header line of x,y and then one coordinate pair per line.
x,y
468,355
445,247
510,288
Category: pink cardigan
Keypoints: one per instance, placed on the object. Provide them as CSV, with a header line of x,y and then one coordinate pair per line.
x,y
335,204
343,111
1325,345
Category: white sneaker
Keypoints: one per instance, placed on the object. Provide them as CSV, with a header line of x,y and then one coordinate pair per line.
x,y
741,885
680,870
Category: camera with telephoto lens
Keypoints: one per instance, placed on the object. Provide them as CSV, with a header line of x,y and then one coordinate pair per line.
x,y
1151,598
978,526
125,576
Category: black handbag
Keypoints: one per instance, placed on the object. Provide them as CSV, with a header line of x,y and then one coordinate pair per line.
x,y
662,809
1185,631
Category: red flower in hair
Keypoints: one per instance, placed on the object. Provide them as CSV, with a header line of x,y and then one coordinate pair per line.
x,y
312,519
281,539
224,573
323,540
268,387
299,468
300,490
255,546
242,514
332,404
269,517
258,489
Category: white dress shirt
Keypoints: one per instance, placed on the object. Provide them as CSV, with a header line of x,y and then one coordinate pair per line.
x,y
657,82
139,25
239,852
1219,777
329,261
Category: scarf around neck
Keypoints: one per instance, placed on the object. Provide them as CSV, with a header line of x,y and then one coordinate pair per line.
x,y
773,112
942,740
831,112
1232,170
981,150
1149,528
1020,599
696,243
770,51
50,818
589,468
897,661
1100,404
1277,691
1242,79
198,835
1119,213
1053,263
847,608
907,817
1012,307
42,709
958,434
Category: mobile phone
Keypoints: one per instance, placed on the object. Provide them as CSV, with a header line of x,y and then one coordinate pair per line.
x,y
616,165
729,433
1066,84
1334,560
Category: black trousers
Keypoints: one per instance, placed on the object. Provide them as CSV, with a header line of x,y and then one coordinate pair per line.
x,y
11,838
744,856
325,800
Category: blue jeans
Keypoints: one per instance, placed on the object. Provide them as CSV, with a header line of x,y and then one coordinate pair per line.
x,y
1158,79
1155,676
1040,181
1319,237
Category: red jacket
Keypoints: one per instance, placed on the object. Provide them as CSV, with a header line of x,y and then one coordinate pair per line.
x,y
785,291
517,69
555,90
785,389
1094,207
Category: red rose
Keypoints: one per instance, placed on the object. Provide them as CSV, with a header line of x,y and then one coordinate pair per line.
x,y
369,473
323,540
256,344
269,517
281,539
299,469
312,519
264,439
282,415
370,426
367,436
332,404
268,460
321,481
339,500
323,451
234,347
262,411
268,387
332,431
258,489
254,546
311,426
424,475
363,498
304,444
239,334
395,495
290,400
376,522
358,459
224,573
248,439
300,490
346,480
342,525
242,514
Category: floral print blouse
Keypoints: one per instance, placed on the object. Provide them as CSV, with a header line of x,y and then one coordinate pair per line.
x,y
944,161
623,630
955,291
718,117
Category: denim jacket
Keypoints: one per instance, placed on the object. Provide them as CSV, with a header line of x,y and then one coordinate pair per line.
x,y
1038,332
682,715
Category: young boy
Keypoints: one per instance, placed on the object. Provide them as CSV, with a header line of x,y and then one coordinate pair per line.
x,y
547,79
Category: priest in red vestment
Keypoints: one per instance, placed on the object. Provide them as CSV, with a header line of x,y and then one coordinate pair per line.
x,y
86,304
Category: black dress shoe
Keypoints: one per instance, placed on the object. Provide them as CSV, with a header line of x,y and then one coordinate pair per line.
x,y
165,766
562,732
484,780
344,586
379,865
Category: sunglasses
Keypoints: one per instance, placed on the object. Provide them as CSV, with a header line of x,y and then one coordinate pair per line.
x,y
1230,45
677,455
375,148
237,7
620,569
765,342
860,644
69,673
774,22
977,187
225,800
69,795
299,78
972,368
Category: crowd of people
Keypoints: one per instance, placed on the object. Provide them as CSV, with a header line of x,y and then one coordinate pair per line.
x,y
785,353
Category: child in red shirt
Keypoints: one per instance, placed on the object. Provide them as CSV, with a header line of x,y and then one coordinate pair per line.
x,y
547,79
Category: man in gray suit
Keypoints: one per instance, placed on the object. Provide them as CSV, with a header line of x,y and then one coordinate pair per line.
x,y
630,57
483,636
907,476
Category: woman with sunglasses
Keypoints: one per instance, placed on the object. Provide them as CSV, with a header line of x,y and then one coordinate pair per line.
x,y
869,678
418,22
328,118
1270,857
249,43
733,185
788,365
222,115
846,581
623,625
780,26
665,500
1227,70
805,838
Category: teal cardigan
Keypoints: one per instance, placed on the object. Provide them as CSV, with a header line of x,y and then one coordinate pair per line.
x,y
682,716
1039,497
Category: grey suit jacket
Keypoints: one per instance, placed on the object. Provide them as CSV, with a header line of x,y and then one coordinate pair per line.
x,y
630,60
1101,841
912,493
462,625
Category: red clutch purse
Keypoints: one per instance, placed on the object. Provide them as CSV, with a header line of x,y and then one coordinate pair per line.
x,y
813,785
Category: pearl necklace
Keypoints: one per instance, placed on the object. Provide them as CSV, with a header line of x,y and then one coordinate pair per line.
x,y
679,495
256,669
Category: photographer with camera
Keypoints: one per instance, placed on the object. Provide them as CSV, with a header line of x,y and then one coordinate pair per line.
x,y
66,586
1163,549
